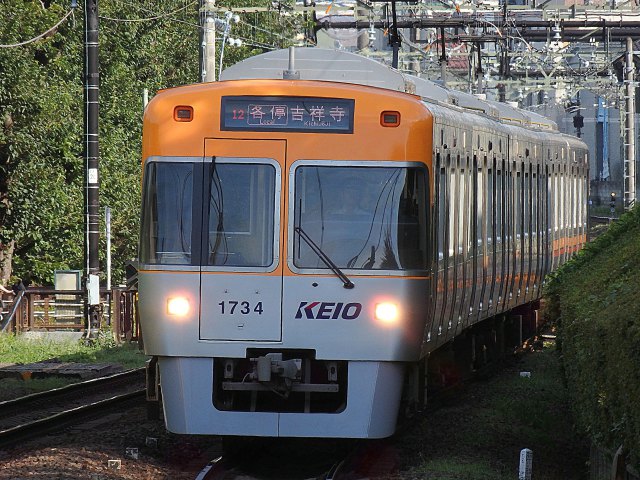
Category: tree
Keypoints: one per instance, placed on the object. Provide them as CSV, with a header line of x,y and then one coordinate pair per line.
x,y
152,44
38,155
41,105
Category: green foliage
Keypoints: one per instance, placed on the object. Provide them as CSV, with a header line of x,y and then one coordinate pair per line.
x,y
37,152
478,433
594,299
458,469
152,44
17,349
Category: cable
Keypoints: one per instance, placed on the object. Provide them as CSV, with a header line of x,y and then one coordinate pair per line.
x,y
149,19
255,43
259,28
34,39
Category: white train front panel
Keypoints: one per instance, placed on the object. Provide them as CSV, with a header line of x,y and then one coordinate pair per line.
x,y
318,350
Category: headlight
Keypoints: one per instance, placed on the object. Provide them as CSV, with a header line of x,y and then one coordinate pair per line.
x,y
178,306
387,312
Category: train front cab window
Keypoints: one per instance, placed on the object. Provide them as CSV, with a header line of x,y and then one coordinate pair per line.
x,y
362,218
167,207
240,212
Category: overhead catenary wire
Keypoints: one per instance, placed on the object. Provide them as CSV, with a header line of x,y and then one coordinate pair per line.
x,y
165,16
150,19
170,17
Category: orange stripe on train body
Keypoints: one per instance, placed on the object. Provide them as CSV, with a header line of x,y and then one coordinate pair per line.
x,y
411,141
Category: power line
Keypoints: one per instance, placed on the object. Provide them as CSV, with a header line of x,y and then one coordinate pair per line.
x,y
166,16
42,35
150,19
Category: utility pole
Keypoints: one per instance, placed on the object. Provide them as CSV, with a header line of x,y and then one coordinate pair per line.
x,y
630,130
208,64
394,37
443,59
91,152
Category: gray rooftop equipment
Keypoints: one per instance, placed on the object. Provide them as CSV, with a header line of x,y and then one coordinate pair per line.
x,y
306,63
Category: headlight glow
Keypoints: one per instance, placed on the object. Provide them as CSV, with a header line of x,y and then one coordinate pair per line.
x,y
387,312
178,306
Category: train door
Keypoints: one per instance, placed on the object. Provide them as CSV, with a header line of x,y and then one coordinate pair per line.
x,y
241,271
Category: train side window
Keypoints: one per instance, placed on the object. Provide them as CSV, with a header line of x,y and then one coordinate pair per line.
x,y
562,199
535,209
491,205
576,201
518,207
442,220
556,196
498,205
526,204
453,200
480,205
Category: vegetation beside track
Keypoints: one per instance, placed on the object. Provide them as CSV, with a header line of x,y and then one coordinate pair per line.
x,y
477,432
17,349
594,299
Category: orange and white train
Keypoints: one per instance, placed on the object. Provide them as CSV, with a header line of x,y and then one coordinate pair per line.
x,y
316,224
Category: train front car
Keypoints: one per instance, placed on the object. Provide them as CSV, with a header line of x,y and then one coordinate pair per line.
x,y
284,255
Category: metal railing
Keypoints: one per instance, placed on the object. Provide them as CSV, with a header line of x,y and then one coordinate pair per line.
x,y
47,309
606,465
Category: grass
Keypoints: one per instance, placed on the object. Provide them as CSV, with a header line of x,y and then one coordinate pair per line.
x,y
457,469
479,433
16,349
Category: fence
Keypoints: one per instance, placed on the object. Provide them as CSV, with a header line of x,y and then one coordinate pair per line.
x,y
605,465
47,309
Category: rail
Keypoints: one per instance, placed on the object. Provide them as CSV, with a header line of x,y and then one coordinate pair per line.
x,y
40,413
47,309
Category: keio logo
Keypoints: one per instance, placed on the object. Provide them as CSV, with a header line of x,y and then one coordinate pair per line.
x,y
329,310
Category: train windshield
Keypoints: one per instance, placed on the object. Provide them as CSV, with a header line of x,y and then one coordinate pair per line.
x,y
233,200
366,218
167,205
241,213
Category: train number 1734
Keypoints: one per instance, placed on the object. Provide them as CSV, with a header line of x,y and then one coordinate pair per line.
x,y
233,307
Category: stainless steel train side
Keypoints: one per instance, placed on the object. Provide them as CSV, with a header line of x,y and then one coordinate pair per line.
x,y
298,310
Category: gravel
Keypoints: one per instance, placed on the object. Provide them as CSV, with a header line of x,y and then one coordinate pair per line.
x,y
106,449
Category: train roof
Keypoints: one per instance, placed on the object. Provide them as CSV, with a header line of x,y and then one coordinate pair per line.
x,y
341,66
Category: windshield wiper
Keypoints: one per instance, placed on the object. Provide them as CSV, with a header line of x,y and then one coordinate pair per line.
x,y
324,257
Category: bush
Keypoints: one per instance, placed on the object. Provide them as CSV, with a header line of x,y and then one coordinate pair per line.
x,y
594,300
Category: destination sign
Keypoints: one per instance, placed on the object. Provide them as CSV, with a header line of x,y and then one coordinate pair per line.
x,y
287,114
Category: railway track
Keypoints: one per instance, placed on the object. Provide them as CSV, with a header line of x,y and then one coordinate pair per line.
x,y
33,415
360,460
218,469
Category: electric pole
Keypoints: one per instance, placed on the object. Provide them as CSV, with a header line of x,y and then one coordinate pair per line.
x,y
91,152
208,64
630,130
